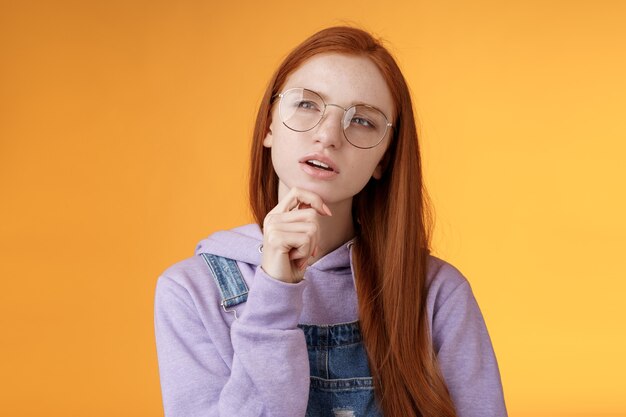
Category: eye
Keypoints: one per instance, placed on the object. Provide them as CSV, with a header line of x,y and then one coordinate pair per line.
x,y
307,105
361,121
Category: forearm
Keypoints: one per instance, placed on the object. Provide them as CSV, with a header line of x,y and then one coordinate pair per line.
x,y
259,368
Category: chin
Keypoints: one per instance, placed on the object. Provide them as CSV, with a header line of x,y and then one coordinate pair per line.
x,y
327,191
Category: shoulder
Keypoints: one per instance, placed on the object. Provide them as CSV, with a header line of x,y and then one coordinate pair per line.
x,y
190,273
443,279
193,275
450,297
188,315
451,304
188,284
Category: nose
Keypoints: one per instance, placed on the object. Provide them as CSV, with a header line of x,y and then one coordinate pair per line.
x,y
329,130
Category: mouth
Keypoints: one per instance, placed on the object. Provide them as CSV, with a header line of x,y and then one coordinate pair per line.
x,y
318,164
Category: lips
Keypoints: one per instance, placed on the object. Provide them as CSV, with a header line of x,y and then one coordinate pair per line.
x,y
321,162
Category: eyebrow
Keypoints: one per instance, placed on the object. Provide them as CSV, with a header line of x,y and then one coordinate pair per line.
x,y
353,103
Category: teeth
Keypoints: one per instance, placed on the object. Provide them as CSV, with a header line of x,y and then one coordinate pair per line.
x,y
318,163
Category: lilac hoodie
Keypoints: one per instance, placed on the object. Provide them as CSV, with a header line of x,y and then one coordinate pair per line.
x,y
212,364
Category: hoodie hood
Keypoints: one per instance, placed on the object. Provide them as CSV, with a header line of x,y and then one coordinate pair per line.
x,y
243,244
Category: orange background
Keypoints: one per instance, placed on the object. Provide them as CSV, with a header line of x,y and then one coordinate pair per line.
x,y
124,136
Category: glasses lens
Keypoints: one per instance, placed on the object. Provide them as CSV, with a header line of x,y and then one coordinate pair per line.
x,y
364,126
300,109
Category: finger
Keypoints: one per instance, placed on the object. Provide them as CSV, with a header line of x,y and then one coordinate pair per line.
x,y
301,253
296,244
310,231
302,264
308,215
296,196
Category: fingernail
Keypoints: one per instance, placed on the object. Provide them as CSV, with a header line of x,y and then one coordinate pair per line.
x,y
326,209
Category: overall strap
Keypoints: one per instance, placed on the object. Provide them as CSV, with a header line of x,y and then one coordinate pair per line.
x,y
229,280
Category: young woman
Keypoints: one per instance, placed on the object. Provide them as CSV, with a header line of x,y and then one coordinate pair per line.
x,y
330,304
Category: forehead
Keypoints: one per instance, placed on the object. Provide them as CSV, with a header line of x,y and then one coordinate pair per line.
x,y
343,79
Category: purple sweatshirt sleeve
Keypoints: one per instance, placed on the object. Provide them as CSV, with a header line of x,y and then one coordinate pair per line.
x,y
466,356
269,372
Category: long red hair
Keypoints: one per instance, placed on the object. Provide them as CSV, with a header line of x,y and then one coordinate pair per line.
x,y
393,225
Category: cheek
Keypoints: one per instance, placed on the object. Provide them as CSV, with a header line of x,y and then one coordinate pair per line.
x,y
363,168
283,155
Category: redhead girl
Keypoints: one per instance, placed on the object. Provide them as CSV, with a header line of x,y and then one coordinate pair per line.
x,y
330,304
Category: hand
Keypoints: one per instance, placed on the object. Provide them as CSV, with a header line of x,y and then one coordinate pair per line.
x,y
291,234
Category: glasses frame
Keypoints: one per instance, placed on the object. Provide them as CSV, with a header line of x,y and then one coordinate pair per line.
x,y
345,111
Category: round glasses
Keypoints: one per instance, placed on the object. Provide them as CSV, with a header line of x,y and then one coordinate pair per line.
x,y
363,126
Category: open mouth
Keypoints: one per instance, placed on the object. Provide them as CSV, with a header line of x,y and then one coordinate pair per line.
x,y
319,165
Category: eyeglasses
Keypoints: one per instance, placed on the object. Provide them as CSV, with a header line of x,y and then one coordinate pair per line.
x,y
363,126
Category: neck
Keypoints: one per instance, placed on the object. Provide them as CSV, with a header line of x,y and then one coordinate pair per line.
x,y
335,230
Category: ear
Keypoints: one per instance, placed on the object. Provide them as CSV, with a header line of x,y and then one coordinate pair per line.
x,y
381,167
267,142
378,171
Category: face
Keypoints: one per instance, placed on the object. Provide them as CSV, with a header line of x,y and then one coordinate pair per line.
x,y
343,80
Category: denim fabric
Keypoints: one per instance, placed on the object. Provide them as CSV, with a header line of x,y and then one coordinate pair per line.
x,y
341,384
228,278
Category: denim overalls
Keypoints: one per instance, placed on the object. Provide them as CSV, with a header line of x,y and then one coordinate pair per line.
x,y
341,385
